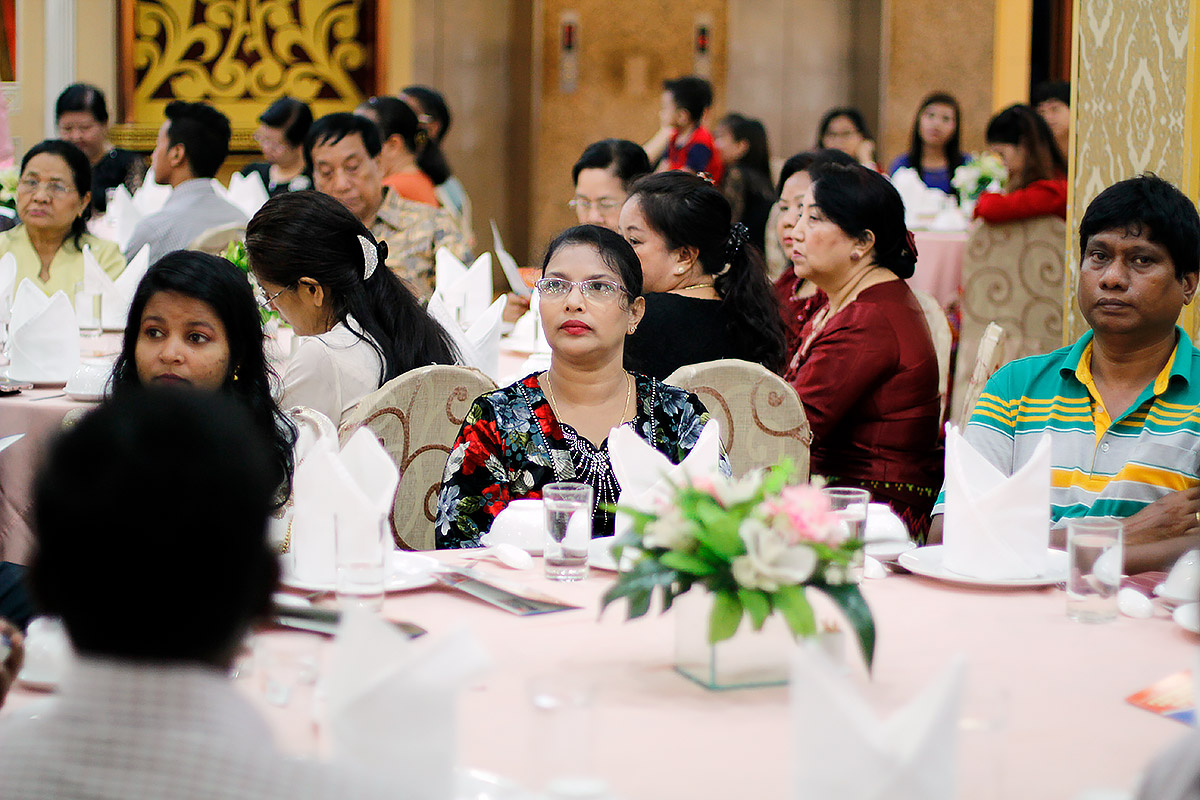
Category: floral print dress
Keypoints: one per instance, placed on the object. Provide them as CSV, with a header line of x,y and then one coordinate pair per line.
x,y
511,445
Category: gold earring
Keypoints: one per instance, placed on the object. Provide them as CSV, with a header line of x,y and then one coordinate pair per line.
x,y
855,256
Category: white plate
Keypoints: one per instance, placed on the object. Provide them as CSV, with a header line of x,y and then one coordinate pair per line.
x,y
408,571
84,397
600,555
475,784
887,551
927,561
41,682
1188,617
1176,599
38,383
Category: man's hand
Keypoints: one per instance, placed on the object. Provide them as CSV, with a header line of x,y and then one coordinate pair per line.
x,y
515,307
1171,517
10,665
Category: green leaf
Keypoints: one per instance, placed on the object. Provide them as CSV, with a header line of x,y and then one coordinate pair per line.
x,y
686,562
791,602
725,618
850,600
757,605
643,577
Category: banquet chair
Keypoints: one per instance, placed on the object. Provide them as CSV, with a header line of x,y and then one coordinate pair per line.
x,y
1013,275
761,418
216,240
943,339
416,417
988,358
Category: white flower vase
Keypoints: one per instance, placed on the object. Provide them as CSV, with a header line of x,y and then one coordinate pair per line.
x,y
750,658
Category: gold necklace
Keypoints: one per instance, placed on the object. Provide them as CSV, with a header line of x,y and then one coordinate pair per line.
x,y
696,286
554,405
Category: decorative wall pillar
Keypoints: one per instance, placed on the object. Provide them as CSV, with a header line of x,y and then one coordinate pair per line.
x,y
59,55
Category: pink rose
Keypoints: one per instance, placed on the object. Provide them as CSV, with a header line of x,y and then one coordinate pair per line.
x,y
807,511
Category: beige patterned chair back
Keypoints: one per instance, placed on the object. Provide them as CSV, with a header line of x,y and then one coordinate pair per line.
x,y
1013,275
943,339
416,417
988,358
216,240
761,417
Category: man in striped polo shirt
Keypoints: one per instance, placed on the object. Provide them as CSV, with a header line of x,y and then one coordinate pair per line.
x,y
1121,405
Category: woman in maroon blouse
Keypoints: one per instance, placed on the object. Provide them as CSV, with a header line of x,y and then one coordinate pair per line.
x,y
865,366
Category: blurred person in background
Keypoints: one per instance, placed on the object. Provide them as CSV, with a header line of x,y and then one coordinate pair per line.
x,y
933,149
81,115
1037,172
742,143
845,129
280,135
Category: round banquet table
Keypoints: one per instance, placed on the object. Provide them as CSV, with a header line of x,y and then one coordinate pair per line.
x,y
1049,691
939,264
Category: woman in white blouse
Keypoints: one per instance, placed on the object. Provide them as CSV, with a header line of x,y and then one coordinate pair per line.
x,y
324,272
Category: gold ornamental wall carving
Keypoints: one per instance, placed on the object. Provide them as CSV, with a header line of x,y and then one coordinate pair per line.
x,y
241,55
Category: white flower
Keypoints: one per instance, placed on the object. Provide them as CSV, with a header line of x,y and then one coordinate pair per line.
x,y
770,562
836,574
670,530
733,491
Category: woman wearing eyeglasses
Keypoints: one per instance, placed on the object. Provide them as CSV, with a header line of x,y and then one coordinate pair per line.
x,y
54,204
554,426
359,327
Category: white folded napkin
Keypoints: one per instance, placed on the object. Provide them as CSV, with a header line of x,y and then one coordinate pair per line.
x,y
115,295
921,203
150,196
509,265
43,336
356,486
648,478
527,334
479,343
393,702
467,292
841,749
247,192
996,527
8,285
123,215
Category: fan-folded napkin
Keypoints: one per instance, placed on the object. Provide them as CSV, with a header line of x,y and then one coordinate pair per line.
x,y
150,197
355,486
996,527
115,294
479,343
123,215
247,192
466,292
843,750
43,334
393,702
648,478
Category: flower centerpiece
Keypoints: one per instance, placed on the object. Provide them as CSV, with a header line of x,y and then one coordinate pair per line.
x,y
8,187
235,254
756,544
985,172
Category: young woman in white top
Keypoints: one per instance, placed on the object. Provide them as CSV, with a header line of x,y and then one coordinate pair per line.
x,y
324,272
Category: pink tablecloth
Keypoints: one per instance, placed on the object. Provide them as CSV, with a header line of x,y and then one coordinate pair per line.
x,y
939,265
1048,692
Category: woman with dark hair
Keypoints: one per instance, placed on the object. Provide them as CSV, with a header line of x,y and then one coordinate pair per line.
x,y
54,204
284,125
866,368
404,142
434,116
746,182
194,322
1037,170
554,426
709,294
933,148
845,129
324,272
81,115
798,296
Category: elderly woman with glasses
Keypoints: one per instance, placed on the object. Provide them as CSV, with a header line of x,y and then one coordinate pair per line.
x,y
554,426
54,204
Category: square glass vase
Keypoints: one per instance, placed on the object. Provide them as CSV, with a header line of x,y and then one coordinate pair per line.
x,y
749,659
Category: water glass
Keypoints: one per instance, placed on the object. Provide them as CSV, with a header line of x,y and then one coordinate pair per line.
x,y
88,311
362,550
563,741
851,507
568,530
1095,557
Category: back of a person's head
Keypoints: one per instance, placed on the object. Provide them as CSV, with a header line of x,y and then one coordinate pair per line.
x,y
1021,126
150,520
82,97
751,131
291,116
396,118
1147,205
204,133
332,128
858,200
623,158
812,161
1051,90
432,104
694,95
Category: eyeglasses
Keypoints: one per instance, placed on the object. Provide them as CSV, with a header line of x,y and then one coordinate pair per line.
x,y
597,290
261,296
584,204
54,188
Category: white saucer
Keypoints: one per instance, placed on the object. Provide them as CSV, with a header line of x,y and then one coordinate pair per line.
x,y
1188,617
408,571
38,681
1176,599
476,784
889,550
927,561
600,555
84,397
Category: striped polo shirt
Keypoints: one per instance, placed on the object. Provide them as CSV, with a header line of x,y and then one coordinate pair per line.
x,y
1100,467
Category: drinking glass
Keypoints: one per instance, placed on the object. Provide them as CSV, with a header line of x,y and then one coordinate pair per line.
x,y
361,550
851,507
563,743
568,530
87,311
1095,558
